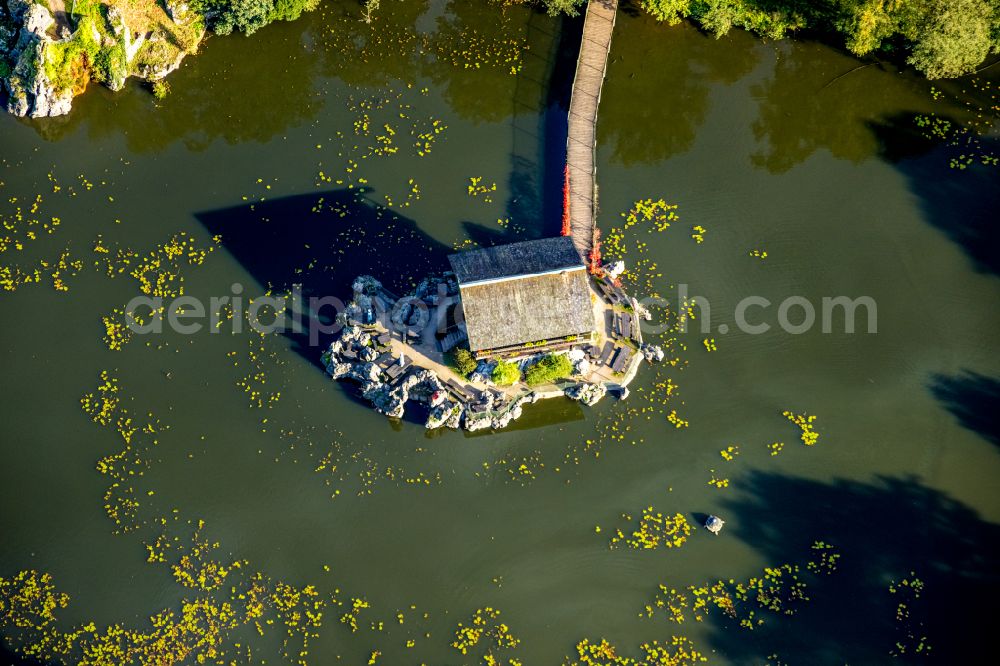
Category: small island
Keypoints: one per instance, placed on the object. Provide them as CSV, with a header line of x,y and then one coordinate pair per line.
x,y
506,326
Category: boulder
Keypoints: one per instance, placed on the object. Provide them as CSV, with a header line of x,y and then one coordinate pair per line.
x,y
17,8
455,420
391,402
446,413
116,21
614,269
177,10
37,21
587,393
652,353
479,422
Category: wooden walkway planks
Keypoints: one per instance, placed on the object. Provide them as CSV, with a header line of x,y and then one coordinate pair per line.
x,y
581,143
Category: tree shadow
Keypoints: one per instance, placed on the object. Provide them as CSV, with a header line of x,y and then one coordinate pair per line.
x,y
973,399
10,658
960,203
322,242
883,530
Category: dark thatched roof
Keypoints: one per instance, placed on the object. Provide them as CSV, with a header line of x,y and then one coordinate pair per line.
x,y
542,293
525,258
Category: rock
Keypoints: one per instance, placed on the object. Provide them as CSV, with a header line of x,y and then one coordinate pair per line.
x,y
714,524
614,269
581,367
587,393
116,21
455,420
368,354
652,353
17,97
444,414
6,36
479,422
367,285
176,10
338,370
30,93
391,402
17,8
37,21
642,311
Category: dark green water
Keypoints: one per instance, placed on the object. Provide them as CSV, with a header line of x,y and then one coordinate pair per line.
x,y
751,140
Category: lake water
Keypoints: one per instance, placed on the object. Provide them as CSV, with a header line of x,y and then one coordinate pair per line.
x,y
268,140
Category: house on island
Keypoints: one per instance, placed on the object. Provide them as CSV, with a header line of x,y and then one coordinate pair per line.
x,y
524,297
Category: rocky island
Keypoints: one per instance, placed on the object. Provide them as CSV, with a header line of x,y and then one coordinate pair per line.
x,y
507,326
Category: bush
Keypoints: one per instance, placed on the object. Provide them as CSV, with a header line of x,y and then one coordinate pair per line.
x,y
548,369
506,373
464,361
160,89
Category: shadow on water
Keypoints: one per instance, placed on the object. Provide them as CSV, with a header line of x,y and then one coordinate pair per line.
x,y
539,124
883,530
322,242
973,399
960,203
10,658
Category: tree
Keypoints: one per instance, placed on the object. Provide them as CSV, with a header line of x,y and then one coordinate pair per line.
x,y
567,7
952,37
464,361
548,369
506,373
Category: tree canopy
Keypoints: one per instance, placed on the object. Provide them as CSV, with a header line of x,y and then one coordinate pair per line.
x,y
944,38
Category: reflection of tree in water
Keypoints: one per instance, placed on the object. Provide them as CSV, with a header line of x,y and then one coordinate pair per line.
x,y
470,51
238,90
883,530
476,58
253,89
656,93
818,99
372,54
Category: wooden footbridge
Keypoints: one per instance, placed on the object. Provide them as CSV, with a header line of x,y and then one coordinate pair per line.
x,y
581,142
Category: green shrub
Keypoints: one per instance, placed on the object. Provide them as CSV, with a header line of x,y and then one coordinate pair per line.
x,y
506,373
548,369
160,89
464,361
249,16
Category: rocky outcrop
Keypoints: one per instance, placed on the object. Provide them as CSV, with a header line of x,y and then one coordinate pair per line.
x,y
31,56
588,394
448,413
29,90
652,353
